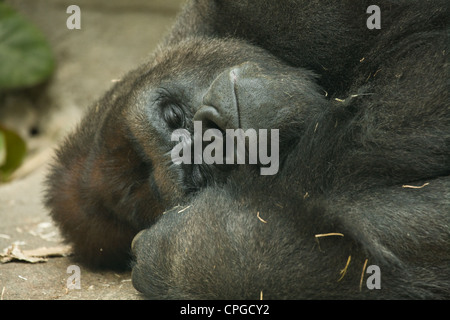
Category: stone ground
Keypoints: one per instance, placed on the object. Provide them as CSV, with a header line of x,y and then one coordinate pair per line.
x,y
115,37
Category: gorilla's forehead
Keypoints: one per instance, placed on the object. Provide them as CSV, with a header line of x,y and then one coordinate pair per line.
x,y
185,71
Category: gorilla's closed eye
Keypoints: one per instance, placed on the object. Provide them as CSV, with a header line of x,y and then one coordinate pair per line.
x,y
173,114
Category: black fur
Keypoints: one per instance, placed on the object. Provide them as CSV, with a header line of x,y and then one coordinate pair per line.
x,y
373,121
258,237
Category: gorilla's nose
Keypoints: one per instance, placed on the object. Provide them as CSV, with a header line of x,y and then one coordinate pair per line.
x,y
234,99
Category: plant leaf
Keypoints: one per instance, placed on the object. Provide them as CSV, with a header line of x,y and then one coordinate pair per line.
x,y
15,151
25,56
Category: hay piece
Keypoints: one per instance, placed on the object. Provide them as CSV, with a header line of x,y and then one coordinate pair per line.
x,y
329,234
182,210
362,275
415,187
344,271
260,219
317,236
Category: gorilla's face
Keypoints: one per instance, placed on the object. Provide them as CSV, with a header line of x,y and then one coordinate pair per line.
x,y
115,175
225,85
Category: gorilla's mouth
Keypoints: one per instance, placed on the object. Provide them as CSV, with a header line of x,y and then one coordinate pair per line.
x,y
198,174
209,154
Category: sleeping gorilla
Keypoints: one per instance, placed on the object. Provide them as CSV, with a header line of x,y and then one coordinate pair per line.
x,y
256,234
234,233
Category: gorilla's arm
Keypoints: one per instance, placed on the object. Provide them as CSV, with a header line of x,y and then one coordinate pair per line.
x,y
226,246
405,229
401,223
223,245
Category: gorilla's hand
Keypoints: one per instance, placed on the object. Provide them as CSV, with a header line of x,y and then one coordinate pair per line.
x,y
224,245
218,248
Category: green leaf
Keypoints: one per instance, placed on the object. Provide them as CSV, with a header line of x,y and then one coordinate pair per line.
x,y
14,149
26,58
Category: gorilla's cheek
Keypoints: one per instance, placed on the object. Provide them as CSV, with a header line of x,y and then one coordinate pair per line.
x,y
167,180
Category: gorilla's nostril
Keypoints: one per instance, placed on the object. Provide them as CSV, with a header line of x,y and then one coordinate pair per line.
x,y
212,118
206,113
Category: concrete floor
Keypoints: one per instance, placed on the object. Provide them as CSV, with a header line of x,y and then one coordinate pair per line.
x,y
115,37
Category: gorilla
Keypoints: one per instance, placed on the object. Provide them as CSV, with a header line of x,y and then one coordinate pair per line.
x,y
364,156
